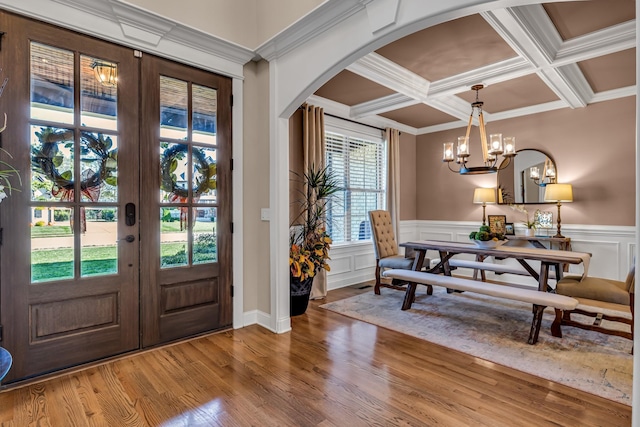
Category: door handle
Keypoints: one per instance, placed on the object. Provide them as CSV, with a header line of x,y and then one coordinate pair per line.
x,y
130,238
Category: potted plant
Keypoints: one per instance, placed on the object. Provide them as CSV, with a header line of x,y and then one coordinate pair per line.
x,y
485,238
529,223
309,241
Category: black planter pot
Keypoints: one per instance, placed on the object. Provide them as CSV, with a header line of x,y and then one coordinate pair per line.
x,y
299,295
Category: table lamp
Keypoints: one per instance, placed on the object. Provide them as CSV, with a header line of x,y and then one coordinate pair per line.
x,y
558,193
484,196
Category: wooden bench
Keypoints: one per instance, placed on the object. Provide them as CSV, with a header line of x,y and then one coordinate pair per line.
x,y
540,300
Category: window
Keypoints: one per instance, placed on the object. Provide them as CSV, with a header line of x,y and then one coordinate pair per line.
x,y
357,155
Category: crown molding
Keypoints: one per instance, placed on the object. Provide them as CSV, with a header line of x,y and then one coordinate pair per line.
x,y
539,29
487,75
344,111
495,117
382,105
531,33
610,95
379,69
322,18
120,22
609,40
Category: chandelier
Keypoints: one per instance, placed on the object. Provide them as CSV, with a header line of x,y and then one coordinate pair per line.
x,y
548,174
490,149
106,73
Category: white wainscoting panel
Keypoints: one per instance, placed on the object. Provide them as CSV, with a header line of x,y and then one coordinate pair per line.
x,y
351,264
612,250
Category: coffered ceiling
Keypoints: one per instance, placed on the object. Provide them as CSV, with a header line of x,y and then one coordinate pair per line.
x,y
531,59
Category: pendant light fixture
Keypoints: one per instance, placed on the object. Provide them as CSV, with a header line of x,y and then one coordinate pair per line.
x,y
491,149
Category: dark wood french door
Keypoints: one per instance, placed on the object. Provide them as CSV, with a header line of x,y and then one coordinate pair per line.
x,y
114,241
186,201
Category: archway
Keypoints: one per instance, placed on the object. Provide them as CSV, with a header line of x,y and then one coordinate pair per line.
x,y
298,73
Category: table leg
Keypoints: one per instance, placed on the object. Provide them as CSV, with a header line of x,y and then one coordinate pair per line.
x,y
543,279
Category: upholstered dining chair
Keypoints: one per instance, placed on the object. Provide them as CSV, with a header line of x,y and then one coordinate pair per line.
x,y
385,246
594,293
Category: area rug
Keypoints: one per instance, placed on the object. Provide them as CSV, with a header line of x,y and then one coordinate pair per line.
x,y
497,330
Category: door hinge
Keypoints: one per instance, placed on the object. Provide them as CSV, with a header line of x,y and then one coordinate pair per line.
x,y
231,291
231,164
231,227
1,229
0,333
232,100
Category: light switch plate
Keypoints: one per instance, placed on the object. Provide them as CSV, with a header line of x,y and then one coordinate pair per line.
x,y
265,214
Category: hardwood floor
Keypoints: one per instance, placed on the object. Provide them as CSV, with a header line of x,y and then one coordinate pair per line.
x,y
329,371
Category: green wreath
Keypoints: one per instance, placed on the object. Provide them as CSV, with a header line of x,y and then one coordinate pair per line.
x,y
46,160
169,164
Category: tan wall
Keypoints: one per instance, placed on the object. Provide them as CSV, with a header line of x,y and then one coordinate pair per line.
x,y
408,181
593,147
256,187
248,23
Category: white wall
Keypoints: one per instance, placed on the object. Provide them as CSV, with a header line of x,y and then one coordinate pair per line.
x,y
248,23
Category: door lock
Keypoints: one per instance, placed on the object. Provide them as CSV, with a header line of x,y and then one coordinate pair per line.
x,y
130,215
130,238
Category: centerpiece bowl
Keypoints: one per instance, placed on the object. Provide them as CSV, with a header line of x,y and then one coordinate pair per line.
x,y
488,244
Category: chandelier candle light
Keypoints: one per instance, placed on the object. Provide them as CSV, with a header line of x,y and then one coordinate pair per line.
x,y
490,150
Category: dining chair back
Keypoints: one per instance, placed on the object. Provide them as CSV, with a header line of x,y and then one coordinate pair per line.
x,y
386,250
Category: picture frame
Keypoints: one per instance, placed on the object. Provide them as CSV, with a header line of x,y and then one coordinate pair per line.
x,y
543,219
509,229
497,223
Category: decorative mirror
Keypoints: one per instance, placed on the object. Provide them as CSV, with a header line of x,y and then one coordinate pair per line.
x,y
524,180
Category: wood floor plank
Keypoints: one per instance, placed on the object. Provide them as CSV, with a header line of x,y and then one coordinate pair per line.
x,y
329,371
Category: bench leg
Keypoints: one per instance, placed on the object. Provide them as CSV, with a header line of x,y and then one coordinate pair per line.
x,y
535,323
409,296
556,329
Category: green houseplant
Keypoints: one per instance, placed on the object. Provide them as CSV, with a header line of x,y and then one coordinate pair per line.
x,y
309,241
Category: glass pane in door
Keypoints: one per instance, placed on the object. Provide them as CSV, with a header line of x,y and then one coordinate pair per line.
x,y
52,169
99,92
205,105
204,174
51,243
174,101
52,93
173,236
99,250
205,243
98,167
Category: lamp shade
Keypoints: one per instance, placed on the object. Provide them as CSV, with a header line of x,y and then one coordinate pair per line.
x,y
558,193
484,195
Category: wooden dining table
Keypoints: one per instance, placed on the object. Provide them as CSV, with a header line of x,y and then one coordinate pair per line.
x,y
548,258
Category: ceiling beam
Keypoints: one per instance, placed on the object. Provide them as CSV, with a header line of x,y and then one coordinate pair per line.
x,y
530,32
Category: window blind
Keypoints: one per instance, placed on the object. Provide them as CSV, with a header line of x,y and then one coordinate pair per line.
x,y
359,163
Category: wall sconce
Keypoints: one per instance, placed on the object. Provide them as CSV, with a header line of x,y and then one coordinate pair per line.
x,y
558,193
106,73
484,196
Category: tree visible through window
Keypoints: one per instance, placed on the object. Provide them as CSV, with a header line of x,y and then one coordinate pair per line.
x,y
359,160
